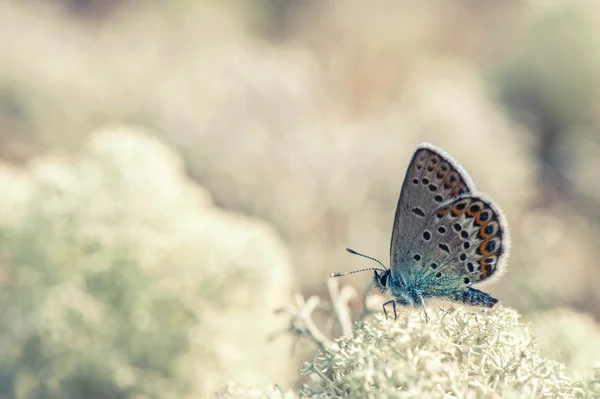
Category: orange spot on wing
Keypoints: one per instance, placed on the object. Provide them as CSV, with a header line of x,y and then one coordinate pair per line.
x,y
449,184
484,271
442,212
483,234
485,268
472,214
481,222
483,250
459,190
456,212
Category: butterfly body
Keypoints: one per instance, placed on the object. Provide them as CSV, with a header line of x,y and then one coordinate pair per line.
x,y
446,237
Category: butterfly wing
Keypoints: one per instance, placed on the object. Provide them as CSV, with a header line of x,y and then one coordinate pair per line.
x,y
426,249
433,177
476,244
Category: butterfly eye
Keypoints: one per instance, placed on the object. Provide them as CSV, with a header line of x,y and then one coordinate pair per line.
x,y
383,279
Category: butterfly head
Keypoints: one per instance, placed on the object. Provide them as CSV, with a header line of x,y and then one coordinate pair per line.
x,y
384,280
402,290
381,277
381,280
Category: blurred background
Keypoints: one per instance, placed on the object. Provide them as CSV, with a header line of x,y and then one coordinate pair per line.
x,y
172,171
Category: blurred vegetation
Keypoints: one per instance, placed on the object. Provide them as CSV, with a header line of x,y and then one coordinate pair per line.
x,y
120,279
302,114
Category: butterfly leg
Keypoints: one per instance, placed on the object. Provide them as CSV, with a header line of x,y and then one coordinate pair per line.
x,y
474,297
424,309
393,302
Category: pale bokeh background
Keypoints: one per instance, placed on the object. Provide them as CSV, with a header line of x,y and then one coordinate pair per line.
x,y
171,171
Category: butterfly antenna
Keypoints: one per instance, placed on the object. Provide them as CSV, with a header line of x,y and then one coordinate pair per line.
x,y
353,252
361,270
354,271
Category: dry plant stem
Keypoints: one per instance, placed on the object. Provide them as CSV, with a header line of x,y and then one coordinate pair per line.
x,y
301,320
340,300
306,310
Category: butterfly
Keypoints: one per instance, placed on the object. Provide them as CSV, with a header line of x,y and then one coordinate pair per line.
x,y
447,238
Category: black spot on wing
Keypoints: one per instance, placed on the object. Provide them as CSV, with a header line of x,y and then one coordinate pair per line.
x,y
419,212
444,247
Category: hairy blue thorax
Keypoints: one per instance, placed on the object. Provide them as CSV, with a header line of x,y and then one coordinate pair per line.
x,y
403,292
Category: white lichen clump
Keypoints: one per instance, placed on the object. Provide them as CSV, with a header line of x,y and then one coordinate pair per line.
x,y
463,353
